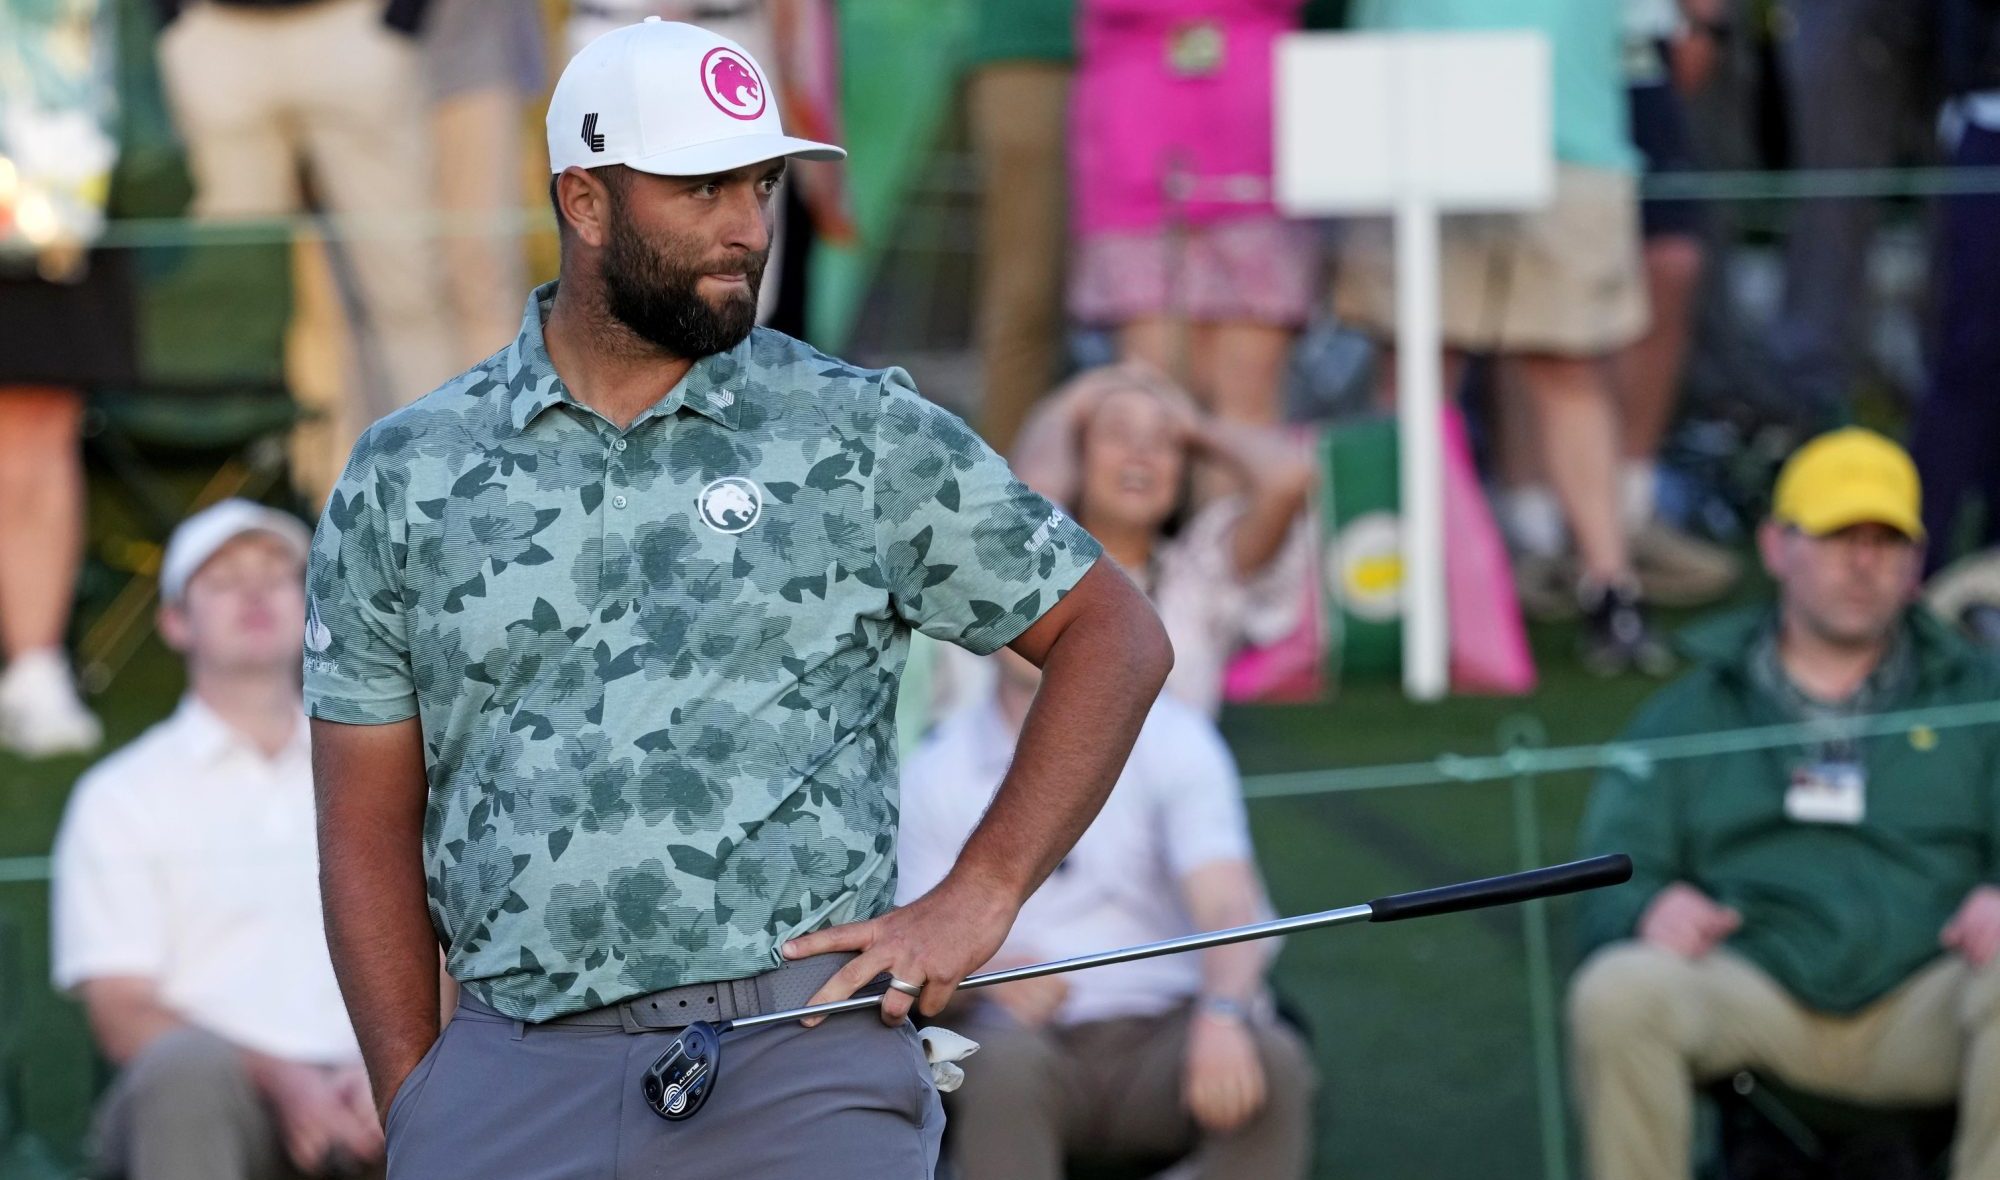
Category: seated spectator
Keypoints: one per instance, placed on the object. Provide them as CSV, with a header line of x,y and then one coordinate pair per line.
x,y
1118,447
186,895
1821,911
1160,1057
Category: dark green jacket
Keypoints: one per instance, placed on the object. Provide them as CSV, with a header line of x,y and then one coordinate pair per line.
x,y
1838,914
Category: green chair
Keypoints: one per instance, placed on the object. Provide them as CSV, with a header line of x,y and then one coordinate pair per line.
x,y
1771,1131
205,413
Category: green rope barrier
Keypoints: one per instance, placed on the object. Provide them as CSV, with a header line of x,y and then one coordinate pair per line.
x,y
1459,768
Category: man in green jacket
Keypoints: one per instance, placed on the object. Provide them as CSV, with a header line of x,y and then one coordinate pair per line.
x,y
1824,909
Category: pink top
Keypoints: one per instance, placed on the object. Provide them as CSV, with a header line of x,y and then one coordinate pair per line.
x,y
1160,81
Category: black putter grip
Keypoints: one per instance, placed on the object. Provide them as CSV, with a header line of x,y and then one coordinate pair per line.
x,y
1554,881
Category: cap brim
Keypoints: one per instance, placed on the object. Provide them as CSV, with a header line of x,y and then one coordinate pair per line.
x,y
740,151
1845,512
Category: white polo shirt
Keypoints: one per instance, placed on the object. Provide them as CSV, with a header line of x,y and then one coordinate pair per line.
x,y
188,858
1177,807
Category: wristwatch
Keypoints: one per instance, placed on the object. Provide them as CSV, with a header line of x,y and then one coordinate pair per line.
x,y
1225,1008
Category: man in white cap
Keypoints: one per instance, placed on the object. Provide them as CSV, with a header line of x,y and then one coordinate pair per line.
x,y
186,908
604,651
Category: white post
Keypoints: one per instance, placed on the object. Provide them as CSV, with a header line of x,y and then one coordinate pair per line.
x,y
1419,410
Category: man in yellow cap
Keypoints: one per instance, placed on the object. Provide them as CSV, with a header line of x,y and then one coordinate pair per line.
x,y
1821,908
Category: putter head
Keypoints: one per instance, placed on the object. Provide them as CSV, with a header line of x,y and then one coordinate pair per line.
x,y
679,1082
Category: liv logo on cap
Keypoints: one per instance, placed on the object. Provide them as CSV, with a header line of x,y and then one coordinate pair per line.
x,y
732,83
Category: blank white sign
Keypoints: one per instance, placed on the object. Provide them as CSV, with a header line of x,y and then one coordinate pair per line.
x,y
1458,121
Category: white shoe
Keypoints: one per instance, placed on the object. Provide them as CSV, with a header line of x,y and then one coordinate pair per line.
x,y
41,715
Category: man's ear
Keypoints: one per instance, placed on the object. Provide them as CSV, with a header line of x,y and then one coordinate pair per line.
x,y
174,628
584,205
1771,548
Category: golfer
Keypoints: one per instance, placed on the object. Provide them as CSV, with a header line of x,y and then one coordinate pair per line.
x,y
602,653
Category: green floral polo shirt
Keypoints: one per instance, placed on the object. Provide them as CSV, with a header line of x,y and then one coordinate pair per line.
x,y
657,668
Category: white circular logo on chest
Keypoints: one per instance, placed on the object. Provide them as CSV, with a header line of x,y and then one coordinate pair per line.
x,y
731,504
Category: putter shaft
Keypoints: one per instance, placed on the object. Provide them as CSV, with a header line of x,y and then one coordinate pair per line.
x,y
1552,881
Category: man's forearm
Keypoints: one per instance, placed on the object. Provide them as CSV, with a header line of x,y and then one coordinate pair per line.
x,y
1098,681
372,888
1219,895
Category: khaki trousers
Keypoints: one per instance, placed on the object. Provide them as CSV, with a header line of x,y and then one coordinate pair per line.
x,y
185,1109
1019,112
477,135
1646,1025
258,93
1112,1089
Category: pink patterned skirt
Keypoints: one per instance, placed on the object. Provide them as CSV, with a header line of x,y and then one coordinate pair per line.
x,y
1258,270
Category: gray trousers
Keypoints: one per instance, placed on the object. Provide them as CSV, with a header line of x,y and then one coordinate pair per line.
x,y
1111,1089
497,1098
1857,75
185,1109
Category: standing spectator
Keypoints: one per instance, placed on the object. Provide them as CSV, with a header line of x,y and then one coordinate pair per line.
x,y
186,901
482,59
65,324
1118,447
1957,429
1668,51
1018,101
1172,1055
1553,294
1178,246
260,88
1825,910
1858,94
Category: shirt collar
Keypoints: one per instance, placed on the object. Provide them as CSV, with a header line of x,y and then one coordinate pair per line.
x,y
208,738
708,388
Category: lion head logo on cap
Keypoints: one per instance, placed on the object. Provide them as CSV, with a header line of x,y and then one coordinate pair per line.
x,y
732,83
731,504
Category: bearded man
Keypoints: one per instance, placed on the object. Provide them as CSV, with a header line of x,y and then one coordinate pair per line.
x,y
605,643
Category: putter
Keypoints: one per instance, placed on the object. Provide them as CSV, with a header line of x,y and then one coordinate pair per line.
x,y
681,1080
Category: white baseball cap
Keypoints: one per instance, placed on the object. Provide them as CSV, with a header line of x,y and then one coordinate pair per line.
x,y
200,536
671,99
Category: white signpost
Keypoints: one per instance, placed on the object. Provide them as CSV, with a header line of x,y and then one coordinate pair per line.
x,y
1416,125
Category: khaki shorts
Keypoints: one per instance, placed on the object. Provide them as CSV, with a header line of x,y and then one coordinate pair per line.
x,y
1565,280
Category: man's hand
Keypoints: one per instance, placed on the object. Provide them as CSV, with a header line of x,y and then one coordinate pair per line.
x,y
936,941
1974,931
1685,921
1224,1082
321,1112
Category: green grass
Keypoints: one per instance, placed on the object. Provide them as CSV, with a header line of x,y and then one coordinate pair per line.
x,y
1422,1030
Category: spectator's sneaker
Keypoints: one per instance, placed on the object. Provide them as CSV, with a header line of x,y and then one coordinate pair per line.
x,y
40,713
1678,570
1616,636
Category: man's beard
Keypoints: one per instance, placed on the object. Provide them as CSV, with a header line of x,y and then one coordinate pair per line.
x,y
656,294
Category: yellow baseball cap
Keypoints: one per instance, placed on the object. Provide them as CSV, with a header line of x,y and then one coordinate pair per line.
x,y
1849,477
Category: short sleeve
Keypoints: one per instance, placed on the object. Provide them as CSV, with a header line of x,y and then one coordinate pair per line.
x,y
357,650
106,913
970,554
1198,793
